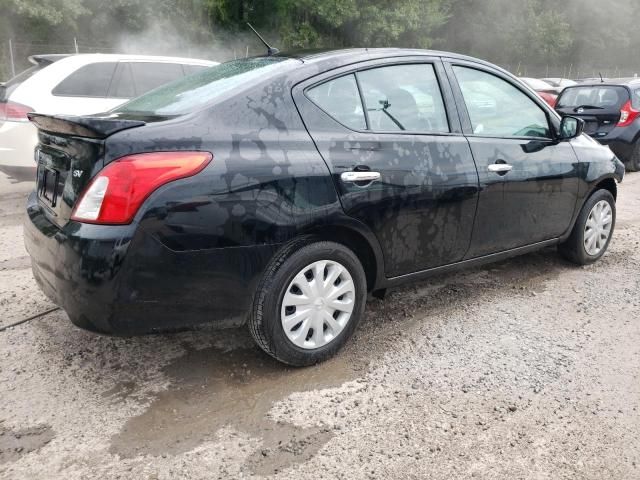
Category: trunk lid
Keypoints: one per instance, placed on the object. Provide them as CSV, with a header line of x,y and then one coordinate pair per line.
x,y
69,154
598,105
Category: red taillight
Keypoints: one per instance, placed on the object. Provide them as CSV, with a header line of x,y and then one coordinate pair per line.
x,y
628,114
550,98
14,112
117,192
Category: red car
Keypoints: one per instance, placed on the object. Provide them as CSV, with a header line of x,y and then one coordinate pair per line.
x,y
547,91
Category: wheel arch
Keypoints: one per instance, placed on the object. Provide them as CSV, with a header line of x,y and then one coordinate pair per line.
x,y
608,183
362,244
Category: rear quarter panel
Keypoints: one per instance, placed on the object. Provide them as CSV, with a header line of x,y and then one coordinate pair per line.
x,y
218,230
266,182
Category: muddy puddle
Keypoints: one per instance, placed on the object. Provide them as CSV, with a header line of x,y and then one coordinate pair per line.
x,y
212,389
16,443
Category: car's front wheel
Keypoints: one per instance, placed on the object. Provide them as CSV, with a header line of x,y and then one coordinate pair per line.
x,y
593,229
308,302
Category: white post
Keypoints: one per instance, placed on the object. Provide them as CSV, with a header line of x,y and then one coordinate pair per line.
x,y
75,44
13,66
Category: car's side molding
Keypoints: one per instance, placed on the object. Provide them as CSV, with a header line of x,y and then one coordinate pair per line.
x,y
464,264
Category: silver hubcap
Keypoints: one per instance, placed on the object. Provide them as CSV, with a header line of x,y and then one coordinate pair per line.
x,y
598,228
317,304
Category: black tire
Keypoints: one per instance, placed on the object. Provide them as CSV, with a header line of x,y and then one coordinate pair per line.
x,y
264,320
573,248
633,164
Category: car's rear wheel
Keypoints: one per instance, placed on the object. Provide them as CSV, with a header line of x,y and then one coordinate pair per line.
x,y
592,232
309,302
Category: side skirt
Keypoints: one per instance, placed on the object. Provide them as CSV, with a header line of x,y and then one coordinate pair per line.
x,y
473,262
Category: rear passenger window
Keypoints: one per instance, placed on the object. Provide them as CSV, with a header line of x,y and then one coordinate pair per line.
x,y
403,98
340,99
92,80
148,76
497,108
122,85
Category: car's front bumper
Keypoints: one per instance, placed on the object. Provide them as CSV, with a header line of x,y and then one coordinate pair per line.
x,y
121,280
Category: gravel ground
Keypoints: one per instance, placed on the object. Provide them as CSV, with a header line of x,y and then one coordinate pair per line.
x,y
526,369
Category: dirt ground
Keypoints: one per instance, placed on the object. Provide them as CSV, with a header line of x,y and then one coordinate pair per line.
x,y
526,369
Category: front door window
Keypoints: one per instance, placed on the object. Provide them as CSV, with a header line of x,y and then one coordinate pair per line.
x,y
498,108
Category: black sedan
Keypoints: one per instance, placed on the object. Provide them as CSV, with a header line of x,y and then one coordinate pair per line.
x,y
279,191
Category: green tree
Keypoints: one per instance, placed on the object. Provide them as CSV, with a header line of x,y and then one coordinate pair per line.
x,y
48,12
524,35
40,21
375,23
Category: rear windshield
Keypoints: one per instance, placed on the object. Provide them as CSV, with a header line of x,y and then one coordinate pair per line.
x,y
595,97
192,92
636,99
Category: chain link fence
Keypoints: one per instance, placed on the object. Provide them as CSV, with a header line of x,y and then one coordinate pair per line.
x,y
14,59
574,72
14,54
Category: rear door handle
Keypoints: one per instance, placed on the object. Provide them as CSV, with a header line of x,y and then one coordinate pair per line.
x,y
500,168
351,177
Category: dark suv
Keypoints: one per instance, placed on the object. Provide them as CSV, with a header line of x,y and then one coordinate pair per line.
x,y
278,191
611,111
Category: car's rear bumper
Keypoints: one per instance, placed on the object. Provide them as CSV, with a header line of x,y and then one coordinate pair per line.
x,y
621,140
18,141
120,280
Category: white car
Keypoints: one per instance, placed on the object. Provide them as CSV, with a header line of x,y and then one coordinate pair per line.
x,y
75,85
560,83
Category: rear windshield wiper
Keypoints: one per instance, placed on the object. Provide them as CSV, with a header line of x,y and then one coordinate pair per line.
x,y
587,107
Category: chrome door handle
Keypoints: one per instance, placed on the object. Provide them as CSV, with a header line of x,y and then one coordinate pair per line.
x,y
350,177
500,167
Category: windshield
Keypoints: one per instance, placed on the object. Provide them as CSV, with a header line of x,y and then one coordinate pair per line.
x,y
594,97
190,93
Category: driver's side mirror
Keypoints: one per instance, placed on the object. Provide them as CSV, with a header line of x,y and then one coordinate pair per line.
x,y
571,127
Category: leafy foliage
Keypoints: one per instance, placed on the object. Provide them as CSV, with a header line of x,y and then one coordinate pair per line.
x,y
361,22
517,34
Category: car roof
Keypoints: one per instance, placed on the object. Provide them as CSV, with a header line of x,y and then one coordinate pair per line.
x,y
536,82
325,60
620,82
362,54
